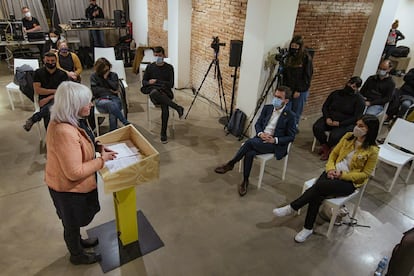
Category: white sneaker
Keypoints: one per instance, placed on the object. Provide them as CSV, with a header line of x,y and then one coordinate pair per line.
x,y
303,235
283,211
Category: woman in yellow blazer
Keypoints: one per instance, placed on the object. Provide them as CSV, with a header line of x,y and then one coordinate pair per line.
x,y
71,167
68,61
349,166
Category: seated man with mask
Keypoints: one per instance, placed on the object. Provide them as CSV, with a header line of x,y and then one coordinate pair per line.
x,y
275,129
158,80
377,89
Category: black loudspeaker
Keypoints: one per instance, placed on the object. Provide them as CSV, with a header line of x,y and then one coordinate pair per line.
x,y
120,18
235,52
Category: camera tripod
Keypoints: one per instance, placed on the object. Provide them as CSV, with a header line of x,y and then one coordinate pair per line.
x,y
278,76
217,75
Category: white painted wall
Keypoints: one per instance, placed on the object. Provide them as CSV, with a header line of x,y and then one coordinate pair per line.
x,y
179,40
405,15
375,36
138,12
266,27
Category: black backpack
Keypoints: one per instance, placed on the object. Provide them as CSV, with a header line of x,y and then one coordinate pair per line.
x,y
400,51
236,123
24,79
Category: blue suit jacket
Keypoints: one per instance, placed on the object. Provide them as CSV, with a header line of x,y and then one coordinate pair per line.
x,y
285,130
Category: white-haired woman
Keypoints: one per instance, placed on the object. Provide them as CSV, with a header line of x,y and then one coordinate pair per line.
x,y
72,165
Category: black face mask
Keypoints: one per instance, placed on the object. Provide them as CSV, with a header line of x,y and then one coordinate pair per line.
x,y
50,65
293,51
349,90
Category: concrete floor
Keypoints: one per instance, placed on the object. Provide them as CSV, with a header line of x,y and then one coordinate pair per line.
x,y
206,227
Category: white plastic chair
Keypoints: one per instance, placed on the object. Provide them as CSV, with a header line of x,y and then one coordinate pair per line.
x,y
119,68
336,202
327,133
400,136
108,53
263,158
14,88
146,59
381,116
37,109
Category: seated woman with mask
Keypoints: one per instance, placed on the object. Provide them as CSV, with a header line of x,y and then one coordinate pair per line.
x,y
68,62
51,44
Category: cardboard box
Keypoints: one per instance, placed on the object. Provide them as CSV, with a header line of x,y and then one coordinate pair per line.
x,y
144,171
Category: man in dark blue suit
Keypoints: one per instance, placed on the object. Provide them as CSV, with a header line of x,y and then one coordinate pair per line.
x,y
275,129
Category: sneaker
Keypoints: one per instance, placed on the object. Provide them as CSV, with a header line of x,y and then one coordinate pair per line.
x,y
164,139
28,125
303,235
283,211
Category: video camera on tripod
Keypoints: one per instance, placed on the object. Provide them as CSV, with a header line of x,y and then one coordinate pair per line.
x,y
216,44
282,56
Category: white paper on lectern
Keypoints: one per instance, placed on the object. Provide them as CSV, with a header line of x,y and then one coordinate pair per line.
x,y
125,157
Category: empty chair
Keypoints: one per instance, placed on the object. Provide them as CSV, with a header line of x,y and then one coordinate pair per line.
x,y
335,203
401,136
14,88
263,158
108,53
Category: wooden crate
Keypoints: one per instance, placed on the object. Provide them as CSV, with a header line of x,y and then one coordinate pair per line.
x,y
144,171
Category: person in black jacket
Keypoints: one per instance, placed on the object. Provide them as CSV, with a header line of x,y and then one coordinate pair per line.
x,y
340,112
403,98
105,89
297,75
158,80
92,12
51,44
378,88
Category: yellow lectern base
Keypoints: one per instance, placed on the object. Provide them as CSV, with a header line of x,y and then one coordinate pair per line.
x,y
110,247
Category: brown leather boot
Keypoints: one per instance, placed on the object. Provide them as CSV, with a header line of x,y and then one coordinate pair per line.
x,y
224,168
326,150
243,188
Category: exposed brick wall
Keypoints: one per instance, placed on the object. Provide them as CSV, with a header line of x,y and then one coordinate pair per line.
x,y
222,18
335,30
157,13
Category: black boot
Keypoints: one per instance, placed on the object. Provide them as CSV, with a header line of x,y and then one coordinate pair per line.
x,y
85,258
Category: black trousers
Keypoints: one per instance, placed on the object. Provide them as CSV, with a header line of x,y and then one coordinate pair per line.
x,y
159,97
319,128
322,189
249,150
75,210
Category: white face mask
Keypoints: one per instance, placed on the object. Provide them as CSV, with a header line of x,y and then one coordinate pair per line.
x,y
27,14
359,132
54,39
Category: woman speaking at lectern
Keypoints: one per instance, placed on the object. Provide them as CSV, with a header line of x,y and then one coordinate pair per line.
x,y
71,167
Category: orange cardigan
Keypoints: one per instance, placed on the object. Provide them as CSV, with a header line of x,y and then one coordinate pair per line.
x,y
71,162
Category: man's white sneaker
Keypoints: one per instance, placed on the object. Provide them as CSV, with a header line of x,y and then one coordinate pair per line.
x,y
303,235
283,211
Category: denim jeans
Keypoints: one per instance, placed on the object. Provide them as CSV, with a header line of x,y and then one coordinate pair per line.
x,y
111,105
98,38
297,105
374,109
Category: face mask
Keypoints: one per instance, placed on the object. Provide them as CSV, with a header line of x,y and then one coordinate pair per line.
x,y
27,14
54,39
293,51
359,132
159,60
277,103
51,65
382,73
64,50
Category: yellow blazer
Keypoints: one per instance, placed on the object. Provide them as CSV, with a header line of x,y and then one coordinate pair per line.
x,y
362,164
76,63
71,162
